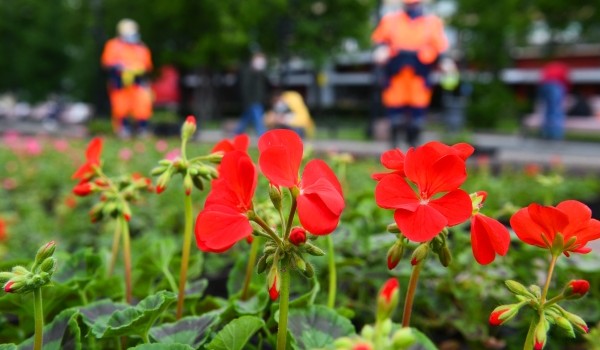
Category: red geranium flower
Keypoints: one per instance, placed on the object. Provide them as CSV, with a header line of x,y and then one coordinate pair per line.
x,y
436,171
224,220
393,160
240,143
538,225
488,236
320,199
92,155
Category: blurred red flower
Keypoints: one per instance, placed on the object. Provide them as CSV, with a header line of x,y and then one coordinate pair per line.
x,y
436,171
320,198
3,234
92,155
539,225
240,143
224,221
393,160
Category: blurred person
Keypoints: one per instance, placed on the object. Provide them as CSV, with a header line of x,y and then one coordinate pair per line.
x,y
409,44
128,62
554,85
290,112
254,85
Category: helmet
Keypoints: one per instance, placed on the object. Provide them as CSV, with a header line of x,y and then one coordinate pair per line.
x,y
127,27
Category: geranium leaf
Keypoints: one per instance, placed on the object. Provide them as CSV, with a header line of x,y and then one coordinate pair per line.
x,y
8,347
62,333
192,331
196,289
317,326
100,311
79,268
135,320
163,347
236,333
423,340
253,305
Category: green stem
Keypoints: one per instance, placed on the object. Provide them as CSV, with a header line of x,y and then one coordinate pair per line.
x,y
145,338
548,279
170,278
554,300
38,311
268,230
529,340
332,273
250,267
115,249
290,221
284,299
410,293
126,258
185,256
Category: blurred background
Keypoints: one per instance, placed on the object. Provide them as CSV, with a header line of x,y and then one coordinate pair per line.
x,y
321,48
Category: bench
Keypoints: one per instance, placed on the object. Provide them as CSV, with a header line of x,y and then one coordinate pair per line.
x,y
580,124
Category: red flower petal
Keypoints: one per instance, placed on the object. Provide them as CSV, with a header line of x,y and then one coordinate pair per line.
x,y
393,192
218,227
456,206
393,159
320,207
488,237
241,142
317,169
420,225
94,150
238,171
433,175
280,156
526,229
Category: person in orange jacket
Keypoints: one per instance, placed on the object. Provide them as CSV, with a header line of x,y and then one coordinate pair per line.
x,y
128,62
408,45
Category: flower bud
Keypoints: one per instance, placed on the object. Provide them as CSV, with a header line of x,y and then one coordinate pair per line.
x,y
403,338
310,270
313,250
273,282
393,228
189,128
576,289
504,313
20,270
363,346
275,195
518,289
159,170
46,251
197,180
11,286
126,211
539,335
565,325
48,265
367,332
395,254
188,184
298,236
83,189
576,321
387,299
261,265
299,262
6,276
445,256
343,343
419,254
163,180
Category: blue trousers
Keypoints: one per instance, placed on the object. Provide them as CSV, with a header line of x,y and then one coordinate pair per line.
x,y
252,115
554,116
412,119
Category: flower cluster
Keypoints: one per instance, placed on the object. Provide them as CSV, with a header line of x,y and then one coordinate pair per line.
x,y
229,214
423,189
23,281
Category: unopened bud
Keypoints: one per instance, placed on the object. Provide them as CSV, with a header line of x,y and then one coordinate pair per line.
x,y
163,180
6,276
298,236
189,128
576,289
363,346
445,256
299,262
504,313
565,325
313,250
393,228
309,272
419,254
403,338
126,211
540,334
394,254
343,343
273,282
275,195
159,170
367,332
577,322
197,180
188,184
261,265
518,289
46,251
83,189
387,299
48,265
20,270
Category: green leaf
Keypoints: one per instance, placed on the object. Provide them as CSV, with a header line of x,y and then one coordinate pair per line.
x,y
423,340
196,289
235,279
236,333
62,333
135,320
252,306
79,268
192,331
8,347
317,326
163,347
308,298
100,311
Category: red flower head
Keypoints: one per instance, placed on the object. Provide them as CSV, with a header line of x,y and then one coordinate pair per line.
x,y
437,171
240,143
320,199
83,189
488,236
3,234
92,155
393,160
224,220
539,225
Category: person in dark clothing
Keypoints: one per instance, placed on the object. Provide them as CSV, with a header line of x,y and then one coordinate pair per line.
x,y
254,85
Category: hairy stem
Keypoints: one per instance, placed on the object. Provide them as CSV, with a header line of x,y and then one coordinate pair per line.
x,y
284,299
185,256
38,311
332,273
549,278
115,249
250,267
410,293
126,258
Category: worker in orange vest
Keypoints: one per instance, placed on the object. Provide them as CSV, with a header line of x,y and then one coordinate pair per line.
x,y
128,63
409,45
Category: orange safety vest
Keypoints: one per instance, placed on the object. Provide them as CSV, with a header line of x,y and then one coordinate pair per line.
x,y
423,35
129,56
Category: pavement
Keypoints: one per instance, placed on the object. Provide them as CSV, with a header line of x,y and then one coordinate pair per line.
x,y
501,149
